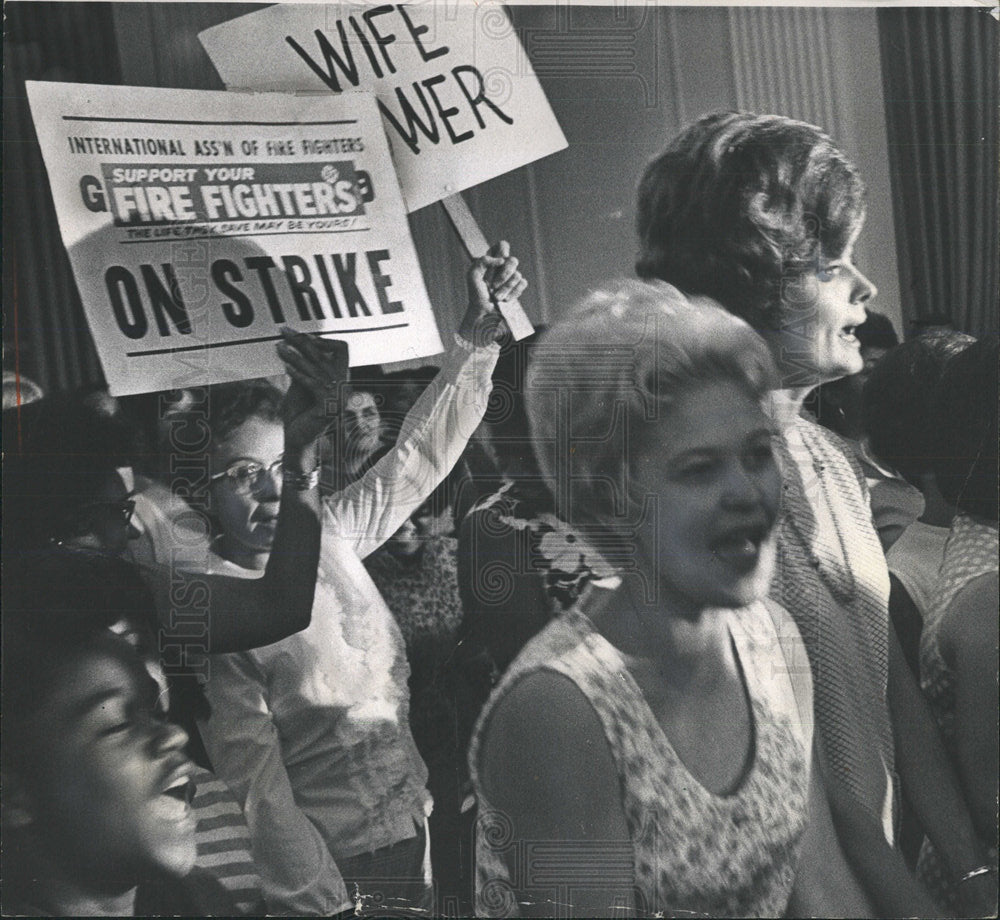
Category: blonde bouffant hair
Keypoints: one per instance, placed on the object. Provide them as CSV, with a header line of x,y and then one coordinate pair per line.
x,y
613,365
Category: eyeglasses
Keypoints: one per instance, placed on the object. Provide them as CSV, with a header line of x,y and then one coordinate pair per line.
x,y
125,508
247,476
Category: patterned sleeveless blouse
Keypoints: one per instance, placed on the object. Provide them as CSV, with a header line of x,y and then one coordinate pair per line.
x,y
971,551
692,851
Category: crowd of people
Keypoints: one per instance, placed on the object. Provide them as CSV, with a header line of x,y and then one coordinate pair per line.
x,y
684,606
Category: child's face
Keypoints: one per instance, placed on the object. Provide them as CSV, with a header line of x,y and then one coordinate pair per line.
x,y
114,787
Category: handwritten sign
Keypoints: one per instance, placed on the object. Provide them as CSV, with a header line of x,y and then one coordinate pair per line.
x,y
199,223
459,99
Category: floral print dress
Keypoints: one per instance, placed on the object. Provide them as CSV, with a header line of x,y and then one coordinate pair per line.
x,y
693,853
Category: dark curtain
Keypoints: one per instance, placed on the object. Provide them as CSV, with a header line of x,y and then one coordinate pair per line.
x,y
45,334
941,70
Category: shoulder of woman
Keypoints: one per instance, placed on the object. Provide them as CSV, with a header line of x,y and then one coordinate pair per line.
x,y
970,622
544,755
834,444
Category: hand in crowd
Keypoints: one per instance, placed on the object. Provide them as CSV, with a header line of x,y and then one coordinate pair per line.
x,y
318,368
492,279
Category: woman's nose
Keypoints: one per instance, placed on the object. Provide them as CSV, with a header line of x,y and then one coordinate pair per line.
x,y
742,487
864,288
268,485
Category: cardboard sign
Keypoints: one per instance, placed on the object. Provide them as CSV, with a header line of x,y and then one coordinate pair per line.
x,y
199,223
459,99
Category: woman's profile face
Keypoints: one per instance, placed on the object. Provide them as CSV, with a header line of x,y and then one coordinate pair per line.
x,y
821,311
709,463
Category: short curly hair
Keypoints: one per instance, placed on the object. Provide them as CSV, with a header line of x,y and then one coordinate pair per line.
x,y
739,203
231,404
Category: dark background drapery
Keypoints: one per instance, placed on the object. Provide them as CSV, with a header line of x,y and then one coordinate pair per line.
x,y
45,334
940,74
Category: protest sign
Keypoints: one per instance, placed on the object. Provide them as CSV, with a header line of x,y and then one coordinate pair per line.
x,y
199,223
460,101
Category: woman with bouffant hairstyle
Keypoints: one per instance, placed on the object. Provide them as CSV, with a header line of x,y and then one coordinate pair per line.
x,y
738,205
650,749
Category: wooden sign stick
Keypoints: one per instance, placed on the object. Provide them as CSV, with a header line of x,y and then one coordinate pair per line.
x,y
476,245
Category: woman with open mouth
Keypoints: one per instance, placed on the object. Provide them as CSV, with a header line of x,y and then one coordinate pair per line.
x,y
649,752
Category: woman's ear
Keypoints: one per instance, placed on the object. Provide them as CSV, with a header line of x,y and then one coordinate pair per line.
x,y
15,807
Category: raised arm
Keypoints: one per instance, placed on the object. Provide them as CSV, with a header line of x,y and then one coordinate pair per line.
x,y
242,613
438,427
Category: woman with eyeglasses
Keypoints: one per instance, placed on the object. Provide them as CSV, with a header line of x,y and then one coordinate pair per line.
x,y
312,732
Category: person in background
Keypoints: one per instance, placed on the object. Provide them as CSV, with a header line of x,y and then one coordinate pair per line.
x,y
399,390
68,482
763,214
519,564
959,643
652,744
312,732
97,815
353,446
896,411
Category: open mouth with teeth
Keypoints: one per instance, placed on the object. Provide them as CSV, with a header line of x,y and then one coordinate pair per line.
x,y
173,804
183,790
847,333
740,547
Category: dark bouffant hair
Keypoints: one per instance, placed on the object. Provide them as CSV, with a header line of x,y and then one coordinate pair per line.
x,y
231,404
739,203
965,419
898,398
